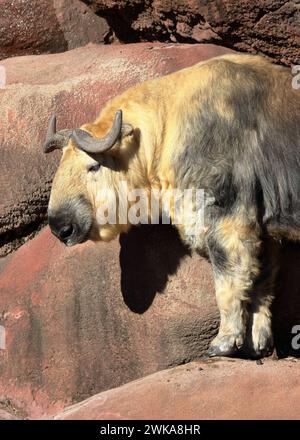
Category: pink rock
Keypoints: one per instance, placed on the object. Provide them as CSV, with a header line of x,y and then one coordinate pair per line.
x,y
4,415
48,27
84,319
217,389
263,26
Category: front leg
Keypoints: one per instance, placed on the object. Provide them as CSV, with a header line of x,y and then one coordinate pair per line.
x,y
234,247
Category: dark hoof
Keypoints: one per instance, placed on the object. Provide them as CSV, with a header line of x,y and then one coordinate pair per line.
x,y
214,351
226,345
258,354
263,346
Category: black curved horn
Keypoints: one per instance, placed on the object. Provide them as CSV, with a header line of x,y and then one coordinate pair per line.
x,y
55,140
88,143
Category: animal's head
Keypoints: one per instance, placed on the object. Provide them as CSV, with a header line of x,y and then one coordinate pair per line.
x,y
85,169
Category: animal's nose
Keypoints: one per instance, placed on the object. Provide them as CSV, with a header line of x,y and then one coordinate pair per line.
x,y
65,232
61,228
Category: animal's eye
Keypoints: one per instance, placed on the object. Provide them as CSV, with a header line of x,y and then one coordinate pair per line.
x,y
94,168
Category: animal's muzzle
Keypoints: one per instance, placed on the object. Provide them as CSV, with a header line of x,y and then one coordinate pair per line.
x,y
71,225
64,232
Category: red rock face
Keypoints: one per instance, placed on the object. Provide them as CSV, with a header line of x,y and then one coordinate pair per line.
x,y
5,415
269,27
89,318
85,319
47,26
213,390
75,85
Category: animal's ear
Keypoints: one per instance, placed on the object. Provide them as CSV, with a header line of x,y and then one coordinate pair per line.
x,y
126,130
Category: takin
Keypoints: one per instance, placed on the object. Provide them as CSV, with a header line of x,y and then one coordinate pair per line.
x,y
229,126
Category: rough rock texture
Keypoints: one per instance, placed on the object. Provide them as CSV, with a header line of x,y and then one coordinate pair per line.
x,y
4,415
218,389
48,26
75,85
270,27
85,319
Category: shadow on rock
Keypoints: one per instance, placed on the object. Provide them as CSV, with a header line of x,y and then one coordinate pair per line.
x,y
149,255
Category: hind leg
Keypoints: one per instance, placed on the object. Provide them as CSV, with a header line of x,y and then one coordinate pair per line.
x,y
261,342
234,247
260,336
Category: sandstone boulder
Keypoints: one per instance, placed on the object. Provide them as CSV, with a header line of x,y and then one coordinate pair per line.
x,y
5,415
85,319
81,320
48,27
269,27
213,390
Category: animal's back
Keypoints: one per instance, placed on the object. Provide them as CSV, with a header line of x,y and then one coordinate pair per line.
x,y
240,139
